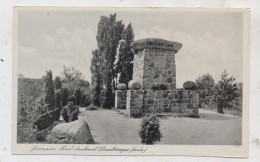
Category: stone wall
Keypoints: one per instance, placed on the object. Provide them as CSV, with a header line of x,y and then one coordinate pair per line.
x,y
162,102
120,99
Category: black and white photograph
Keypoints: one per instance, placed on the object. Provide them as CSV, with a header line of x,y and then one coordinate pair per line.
x,y
147,79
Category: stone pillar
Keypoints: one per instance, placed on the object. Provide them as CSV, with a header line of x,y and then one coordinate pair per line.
x,y
120,99
134,102
190,99
154,63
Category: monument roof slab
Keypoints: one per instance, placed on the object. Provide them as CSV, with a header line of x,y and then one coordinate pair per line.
x,y
156,43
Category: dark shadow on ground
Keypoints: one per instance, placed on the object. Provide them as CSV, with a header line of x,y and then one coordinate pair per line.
x,y
208,115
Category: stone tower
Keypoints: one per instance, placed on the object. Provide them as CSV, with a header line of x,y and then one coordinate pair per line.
x,y
154,63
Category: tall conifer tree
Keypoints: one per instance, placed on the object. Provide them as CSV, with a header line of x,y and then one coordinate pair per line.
x,y
124,66
49,91
108,35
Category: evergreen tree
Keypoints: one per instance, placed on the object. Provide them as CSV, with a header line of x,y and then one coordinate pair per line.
x,y
78,96
49,92
108,35
58,104
64,97
124,66
58,83
96,77
225,92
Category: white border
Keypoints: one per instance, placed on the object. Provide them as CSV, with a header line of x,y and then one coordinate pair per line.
x,y
190,150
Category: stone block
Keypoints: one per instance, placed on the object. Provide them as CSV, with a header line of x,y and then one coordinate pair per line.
x,y
166,101
121,86
195,111
189,85
167,110
165,95
189,106
172,86
119,94
134,85
150,101
76,132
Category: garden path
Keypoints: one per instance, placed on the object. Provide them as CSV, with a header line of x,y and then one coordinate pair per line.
x,y
111,127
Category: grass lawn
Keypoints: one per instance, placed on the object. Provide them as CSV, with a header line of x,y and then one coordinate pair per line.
x,y
111,127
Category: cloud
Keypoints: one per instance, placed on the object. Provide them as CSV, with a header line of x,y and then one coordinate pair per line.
x,y
70,47
199,54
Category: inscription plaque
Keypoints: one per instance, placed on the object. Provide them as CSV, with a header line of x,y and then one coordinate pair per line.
x,y
159,60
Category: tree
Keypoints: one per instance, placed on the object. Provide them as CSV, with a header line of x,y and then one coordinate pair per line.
x,y
49,91
58,83
58,103
108,35
96,77
64,97
70,73
124,66
225,92
205,85
78,96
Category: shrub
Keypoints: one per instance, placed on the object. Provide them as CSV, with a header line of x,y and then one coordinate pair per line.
x,y
44,121
85,100
72,98
70,112
150,130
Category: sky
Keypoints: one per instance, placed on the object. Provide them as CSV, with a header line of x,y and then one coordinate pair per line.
x,y
212,41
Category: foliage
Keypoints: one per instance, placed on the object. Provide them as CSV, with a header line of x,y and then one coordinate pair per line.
x,y
72,99
96,77
26,115
225,92
204,86
58,103
85,100
33,119
150,130
70,112
49,92
108,35
70,74
58,83
74,86
32,88
64,97
124,67
78,96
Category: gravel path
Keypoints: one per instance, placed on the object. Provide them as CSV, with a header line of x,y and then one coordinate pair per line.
x,y
111,127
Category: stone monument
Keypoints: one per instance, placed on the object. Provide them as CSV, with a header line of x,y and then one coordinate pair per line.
x,y
155,70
